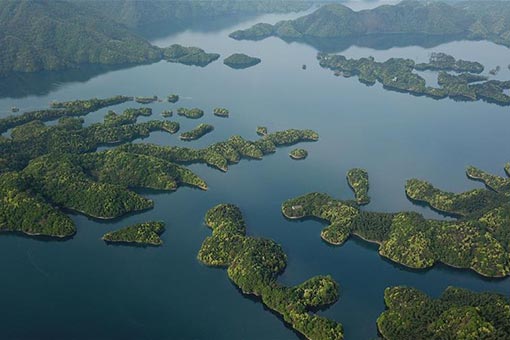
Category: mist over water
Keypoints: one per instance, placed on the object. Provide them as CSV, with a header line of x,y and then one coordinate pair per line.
x,y
83,288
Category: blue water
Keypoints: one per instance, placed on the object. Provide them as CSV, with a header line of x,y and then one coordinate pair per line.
x,y
84,289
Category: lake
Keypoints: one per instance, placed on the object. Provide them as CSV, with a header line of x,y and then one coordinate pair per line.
x,y
84,289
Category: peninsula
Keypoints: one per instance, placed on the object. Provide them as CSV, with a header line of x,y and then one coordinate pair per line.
x,y
358,181
188,55
253,264
196,133
147,233
478,239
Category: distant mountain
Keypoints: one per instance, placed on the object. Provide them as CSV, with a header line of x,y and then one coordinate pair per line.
x,y
50,35
140,13
40,35
492,20
469,20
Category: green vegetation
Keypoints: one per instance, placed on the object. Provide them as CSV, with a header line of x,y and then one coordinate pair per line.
x,y
256,32
445,62
61,109
261,130
397,74
220,155
142,14
34,138
240,61
62,34
167,113
67,34
64,183
253,264
22,210
197,132
339,21
358,181
456,314
220,112
298,154
474,20
146,233
479,239
146,100
47,167
188,55
138,171
173,98
194,113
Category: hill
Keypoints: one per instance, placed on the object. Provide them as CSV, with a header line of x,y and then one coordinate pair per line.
x,y
474,20
52,35
140,13
62,34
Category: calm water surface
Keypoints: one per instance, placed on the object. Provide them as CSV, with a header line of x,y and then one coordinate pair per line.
x,y
84,289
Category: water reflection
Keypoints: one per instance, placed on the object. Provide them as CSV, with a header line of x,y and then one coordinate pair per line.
x,y
376,41
19,85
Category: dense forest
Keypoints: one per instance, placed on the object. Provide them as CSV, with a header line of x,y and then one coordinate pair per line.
x,y
358,181
147,233
479,239
253,264
475,20
47,167
199,131
61,34
397,74
240,61
298,154
456,314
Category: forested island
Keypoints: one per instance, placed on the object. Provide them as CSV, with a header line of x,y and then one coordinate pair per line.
x,y
146,100
167,113
444,62
457,314
479,239
221,155
188,55
358,181
147,233
298,154
254,264
397,74
221,112
241,61
57,35
173,98
46,168
194,113
472,20
261,130
61,109
197,132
